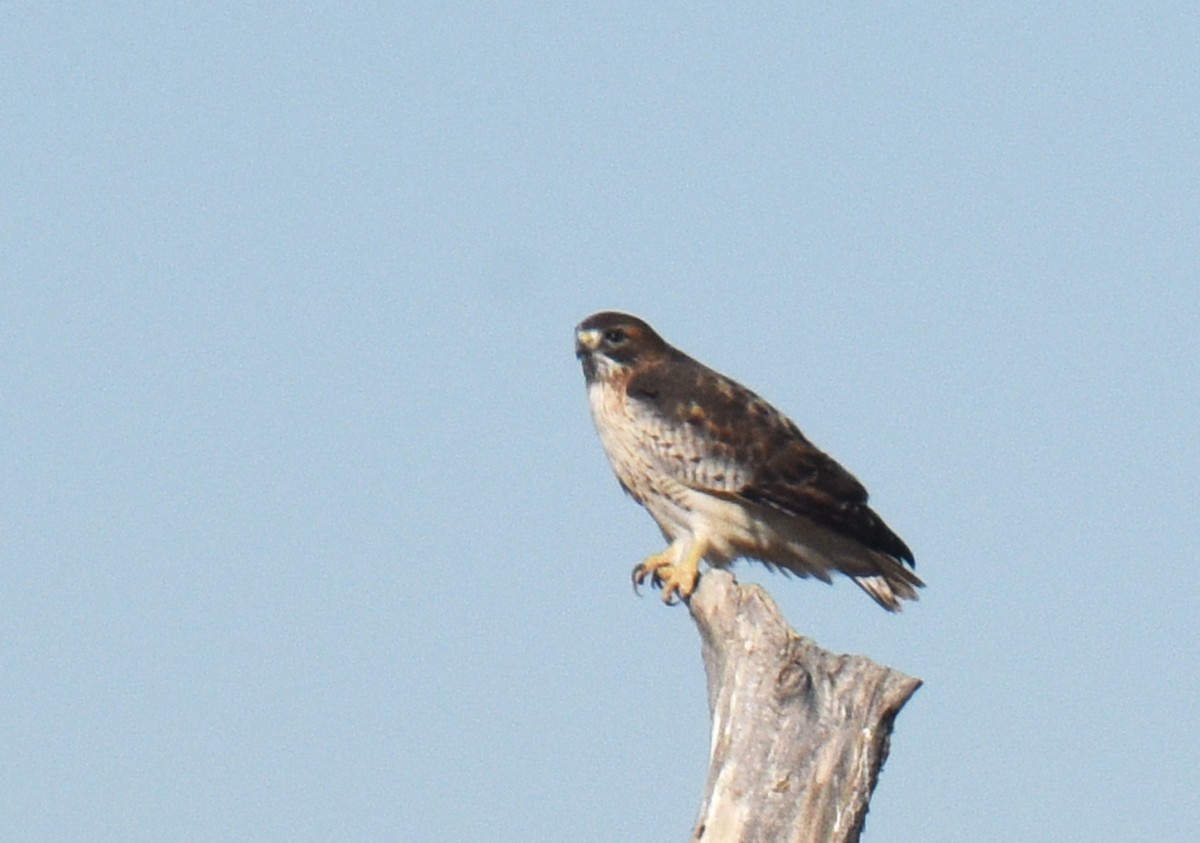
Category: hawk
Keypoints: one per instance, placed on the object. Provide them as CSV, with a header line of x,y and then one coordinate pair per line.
x,y
726,475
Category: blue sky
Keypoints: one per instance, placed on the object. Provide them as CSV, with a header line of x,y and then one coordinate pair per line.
x,y
305,531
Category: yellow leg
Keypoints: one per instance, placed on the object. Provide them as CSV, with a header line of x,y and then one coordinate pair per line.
x,y
673,578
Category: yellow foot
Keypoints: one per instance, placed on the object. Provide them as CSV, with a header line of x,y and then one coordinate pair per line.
x,y
674,579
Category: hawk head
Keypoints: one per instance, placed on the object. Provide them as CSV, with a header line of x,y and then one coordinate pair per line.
x,y
609,344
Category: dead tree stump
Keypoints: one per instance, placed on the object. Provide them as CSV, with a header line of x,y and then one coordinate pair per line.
x,y
798,733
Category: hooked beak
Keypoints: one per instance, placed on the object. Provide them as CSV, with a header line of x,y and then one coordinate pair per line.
x,y
587,341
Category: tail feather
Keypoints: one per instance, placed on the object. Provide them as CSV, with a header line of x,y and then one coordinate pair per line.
x,y
894,584
805,548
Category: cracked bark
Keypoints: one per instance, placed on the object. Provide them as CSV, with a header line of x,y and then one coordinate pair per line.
x,y
799,734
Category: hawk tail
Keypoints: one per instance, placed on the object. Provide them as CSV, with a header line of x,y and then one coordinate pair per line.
x,y
892,584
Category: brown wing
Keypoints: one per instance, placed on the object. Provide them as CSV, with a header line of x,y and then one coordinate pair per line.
x,y
739,445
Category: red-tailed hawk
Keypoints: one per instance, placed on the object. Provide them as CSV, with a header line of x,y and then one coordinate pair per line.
x,y
724,473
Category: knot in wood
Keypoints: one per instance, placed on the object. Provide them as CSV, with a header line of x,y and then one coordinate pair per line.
x,y
793,680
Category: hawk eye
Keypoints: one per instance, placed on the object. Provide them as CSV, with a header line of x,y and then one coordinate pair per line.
x,y
615,336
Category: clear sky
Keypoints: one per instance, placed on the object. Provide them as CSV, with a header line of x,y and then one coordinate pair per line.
x,y
305,532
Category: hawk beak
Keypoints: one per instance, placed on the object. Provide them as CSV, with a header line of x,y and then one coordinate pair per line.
x,y
587,341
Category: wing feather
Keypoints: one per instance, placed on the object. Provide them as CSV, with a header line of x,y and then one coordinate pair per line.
x,y
715,435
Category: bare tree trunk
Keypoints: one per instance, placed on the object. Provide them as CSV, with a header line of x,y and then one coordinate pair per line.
x,y
798,733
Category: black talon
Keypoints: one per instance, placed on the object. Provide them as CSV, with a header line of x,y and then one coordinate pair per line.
x,y
638,576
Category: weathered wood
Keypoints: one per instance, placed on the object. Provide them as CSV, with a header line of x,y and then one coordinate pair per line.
x,y
798,733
